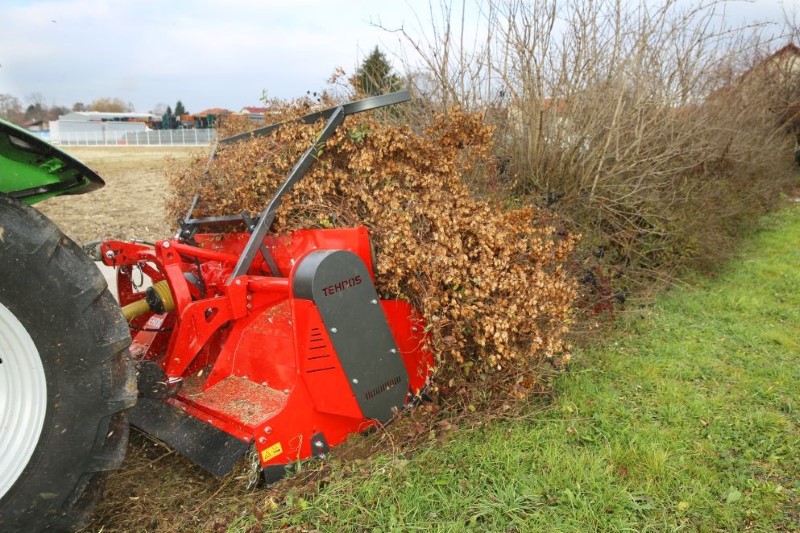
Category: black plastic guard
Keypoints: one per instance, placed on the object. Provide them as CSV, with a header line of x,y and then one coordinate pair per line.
x,y
274,473
200,442
340,285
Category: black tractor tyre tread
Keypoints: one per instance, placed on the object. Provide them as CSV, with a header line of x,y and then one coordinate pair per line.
x,y
54,289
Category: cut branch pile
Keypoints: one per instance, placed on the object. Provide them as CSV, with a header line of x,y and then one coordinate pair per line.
x,y
488,280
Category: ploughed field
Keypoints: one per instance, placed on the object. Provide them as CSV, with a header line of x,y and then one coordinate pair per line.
x,y
131,205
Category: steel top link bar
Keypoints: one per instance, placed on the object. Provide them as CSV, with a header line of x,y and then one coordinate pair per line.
x,y
334,116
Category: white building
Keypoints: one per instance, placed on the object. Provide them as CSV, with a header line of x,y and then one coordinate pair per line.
x,y
96,127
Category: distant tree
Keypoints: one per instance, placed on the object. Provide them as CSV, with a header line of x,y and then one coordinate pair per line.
x,y
11,109
36,100
55,111
159,109
375,75
37,109
179,109
168,120
110,105
78,107
35,112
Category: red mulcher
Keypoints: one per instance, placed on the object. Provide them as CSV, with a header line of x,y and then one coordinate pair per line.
x,y
278,342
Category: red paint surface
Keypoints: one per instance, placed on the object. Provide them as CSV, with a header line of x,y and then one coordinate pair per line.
x,y
256,362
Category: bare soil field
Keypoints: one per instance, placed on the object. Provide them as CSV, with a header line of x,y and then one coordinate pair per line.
x,y
131,205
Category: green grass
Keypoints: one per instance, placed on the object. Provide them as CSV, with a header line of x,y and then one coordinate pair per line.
x,y
689,419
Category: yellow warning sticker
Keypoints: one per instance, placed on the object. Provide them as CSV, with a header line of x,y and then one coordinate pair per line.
x,y
273,451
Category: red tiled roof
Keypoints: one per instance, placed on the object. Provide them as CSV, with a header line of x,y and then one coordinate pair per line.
x,y
790,48
213,111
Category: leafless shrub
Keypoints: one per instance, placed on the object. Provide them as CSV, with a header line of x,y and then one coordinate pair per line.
x,y
631,119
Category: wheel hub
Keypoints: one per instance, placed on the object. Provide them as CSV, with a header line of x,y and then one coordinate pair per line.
x,y
23,398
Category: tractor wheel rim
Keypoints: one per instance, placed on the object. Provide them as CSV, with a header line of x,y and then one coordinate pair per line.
x,y
23,398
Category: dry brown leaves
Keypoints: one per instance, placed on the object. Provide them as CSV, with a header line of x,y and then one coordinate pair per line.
x,y
488,280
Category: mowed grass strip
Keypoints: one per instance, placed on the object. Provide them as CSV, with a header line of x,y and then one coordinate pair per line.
x,y
688,419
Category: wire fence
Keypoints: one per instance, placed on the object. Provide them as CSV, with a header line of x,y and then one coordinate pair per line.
x,y
179,137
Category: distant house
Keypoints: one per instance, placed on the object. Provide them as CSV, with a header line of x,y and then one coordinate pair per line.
x,y
777,78
780,70
36,125
779,73
254,110
785,66
785,60
208,117
256,114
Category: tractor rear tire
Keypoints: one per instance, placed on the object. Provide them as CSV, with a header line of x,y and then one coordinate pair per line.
x,y
66,377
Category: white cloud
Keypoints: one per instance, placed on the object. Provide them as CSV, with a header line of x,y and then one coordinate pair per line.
x,y
149,51
205,52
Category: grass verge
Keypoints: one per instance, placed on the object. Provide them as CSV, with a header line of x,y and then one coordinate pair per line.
x,y
688,419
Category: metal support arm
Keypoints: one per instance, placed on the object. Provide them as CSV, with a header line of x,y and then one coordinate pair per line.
x,y
335,116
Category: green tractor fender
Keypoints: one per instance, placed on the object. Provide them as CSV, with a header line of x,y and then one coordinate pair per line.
x,y
32,170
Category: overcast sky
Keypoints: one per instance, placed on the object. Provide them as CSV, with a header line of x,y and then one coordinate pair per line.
x,y
207,53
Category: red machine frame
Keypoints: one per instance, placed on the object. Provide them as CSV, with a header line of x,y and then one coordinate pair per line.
x,y
225,340
254,331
